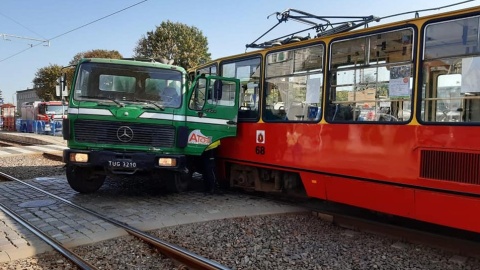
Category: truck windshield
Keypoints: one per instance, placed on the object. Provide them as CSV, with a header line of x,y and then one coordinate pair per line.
x,y
127,83
55,109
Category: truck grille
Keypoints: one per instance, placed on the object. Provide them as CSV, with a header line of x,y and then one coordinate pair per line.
x,y
106,132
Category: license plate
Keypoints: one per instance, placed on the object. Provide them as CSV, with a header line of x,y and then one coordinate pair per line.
x,y
122,164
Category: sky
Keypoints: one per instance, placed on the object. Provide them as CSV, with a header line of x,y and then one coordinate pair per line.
x,y
71,26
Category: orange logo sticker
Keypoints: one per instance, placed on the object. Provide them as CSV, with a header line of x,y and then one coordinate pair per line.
x,y
196,137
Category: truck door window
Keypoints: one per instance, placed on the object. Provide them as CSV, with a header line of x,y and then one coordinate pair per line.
x,y
198,98
221,93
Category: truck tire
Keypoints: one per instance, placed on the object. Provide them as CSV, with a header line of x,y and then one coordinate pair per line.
x,y
177,182
83,180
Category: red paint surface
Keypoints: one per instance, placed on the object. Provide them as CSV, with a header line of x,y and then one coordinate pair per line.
x,y
372,166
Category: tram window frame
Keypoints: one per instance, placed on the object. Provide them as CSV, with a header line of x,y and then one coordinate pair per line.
x,y
294,84
375,57
208,70
449,46
248,71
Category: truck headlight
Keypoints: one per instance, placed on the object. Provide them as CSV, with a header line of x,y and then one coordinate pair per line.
x,y
79,157
167,162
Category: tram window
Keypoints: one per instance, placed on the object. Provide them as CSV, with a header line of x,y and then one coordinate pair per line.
x,y
294,80
210,70
371,78
451,67
248,72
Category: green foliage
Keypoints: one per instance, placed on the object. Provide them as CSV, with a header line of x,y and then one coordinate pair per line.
x,y
45,82
342,95
382,90
184,44
98,53
113,54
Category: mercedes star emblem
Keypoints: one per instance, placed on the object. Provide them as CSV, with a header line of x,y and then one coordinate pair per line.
x,y
124,134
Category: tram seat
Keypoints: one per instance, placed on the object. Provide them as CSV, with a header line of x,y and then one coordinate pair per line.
x,y
296,112
275,115
339,112
246,112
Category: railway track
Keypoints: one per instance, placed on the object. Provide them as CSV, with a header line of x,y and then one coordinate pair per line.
x,y
458,242
461,246
181,255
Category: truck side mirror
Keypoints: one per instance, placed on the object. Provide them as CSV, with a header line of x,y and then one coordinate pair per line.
x,y
61,87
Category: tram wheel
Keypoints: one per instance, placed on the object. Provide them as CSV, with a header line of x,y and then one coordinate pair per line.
x,y
177,182
83,180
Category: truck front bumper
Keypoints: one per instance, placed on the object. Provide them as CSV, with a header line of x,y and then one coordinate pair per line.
x,y
124,162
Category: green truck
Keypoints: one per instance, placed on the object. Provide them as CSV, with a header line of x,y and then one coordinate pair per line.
x,y
130,117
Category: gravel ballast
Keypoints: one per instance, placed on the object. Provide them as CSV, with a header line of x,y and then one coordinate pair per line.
x,y
294,241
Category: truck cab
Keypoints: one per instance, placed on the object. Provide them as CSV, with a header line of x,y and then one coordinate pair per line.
x,y
129,117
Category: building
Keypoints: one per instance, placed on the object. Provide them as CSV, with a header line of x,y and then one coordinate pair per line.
x,y
363,97
28,95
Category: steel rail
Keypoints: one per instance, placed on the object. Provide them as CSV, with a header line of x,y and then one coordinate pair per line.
x,y
184,256
78,261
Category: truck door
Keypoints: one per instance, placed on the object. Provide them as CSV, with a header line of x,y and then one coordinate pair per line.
x,y
211,111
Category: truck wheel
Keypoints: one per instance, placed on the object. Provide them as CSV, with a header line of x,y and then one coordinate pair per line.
x,y
177,182
83,180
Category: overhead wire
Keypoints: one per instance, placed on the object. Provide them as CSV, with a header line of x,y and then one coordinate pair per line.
x,y
30,30
65,33
424,10
285,16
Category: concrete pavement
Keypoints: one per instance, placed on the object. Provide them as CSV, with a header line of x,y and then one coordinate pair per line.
x,y
42,143
129,203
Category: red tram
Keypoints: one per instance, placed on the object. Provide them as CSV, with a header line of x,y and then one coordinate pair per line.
x,y
385,118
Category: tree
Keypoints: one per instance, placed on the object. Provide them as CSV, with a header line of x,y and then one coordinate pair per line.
x,y
113,54
98,53
183,44
45,82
